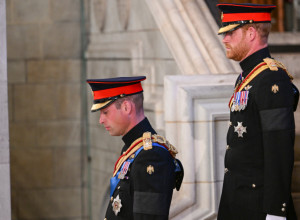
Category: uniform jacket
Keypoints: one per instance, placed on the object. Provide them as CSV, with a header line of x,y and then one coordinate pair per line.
x,y
144,195
259,160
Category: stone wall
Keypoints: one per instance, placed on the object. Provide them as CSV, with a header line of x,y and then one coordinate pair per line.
x,y
51,128
44,88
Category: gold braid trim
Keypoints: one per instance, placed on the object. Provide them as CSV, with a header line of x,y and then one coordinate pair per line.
x,y
253,75
161,140
270,63
124,158
145,141
249,79
274,65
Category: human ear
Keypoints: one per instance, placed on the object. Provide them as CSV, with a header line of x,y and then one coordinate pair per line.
x,y
126,106
251,33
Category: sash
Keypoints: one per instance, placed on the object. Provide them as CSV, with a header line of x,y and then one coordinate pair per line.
x,y
124,168
267,63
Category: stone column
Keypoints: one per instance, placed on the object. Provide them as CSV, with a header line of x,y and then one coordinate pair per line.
x,y
196,117
5,209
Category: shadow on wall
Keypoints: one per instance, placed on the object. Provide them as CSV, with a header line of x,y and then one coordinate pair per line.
x,y
104,203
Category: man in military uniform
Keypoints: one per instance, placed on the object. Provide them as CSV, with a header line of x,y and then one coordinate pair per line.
x,y
260,140
147,171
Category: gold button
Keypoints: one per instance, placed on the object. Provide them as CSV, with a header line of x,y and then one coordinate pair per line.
x,y
229,124
283,209
105,219
119,187
225,170
227,147
253,185
111,198
284,205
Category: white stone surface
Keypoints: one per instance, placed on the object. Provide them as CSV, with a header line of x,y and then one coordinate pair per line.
x,y
196,122
5,206
191,34
142,44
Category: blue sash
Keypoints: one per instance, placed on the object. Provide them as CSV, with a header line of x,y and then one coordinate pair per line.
x,y
115,180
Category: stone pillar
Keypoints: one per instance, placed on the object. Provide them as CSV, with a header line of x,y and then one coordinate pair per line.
x,y
196,123
5,208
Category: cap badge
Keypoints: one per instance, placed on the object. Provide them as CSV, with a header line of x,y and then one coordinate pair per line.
x,y
240,129
150,169
275,88
117,205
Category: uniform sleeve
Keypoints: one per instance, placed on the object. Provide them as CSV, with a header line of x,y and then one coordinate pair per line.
x,y
275,103
153,172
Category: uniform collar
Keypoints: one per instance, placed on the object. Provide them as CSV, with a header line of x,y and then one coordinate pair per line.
x,y
137,132
251,61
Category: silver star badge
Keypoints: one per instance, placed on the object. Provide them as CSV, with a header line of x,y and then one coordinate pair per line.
x,y
116,205
240,129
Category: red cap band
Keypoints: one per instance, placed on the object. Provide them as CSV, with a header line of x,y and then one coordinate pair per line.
x,y
127,90
232,17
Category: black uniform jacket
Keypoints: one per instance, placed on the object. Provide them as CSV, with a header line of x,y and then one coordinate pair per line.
x,y
145,196
258,164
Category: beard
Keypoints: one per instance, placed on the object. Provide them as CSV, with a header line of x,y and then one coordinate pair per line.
x,y
238,52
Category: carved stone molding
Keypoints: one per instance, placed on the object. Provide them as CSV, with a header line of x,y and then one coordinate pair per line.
x,y
124,12
191,33
99,10
196,123
133,50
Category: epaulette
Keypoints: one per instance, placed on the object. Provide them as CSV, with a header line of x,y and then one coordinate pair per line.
x,y
148,138
270,63
146,142
274,65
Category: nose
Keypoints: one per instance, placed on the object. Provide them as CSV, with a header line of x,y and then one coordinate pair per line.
x,y
101,119
225,38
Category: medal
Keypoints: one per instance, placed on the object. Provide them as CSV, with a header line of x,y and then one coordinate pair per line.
x,y
233,107
116,205
124,170
240,100
240,129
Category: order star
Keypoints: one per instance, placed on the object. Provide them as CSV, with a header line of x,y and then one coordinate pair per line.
x,y
240,129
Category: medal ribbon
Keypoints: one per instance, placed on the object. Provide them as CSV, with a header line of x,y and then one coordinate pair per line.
x,y
257,70
115,180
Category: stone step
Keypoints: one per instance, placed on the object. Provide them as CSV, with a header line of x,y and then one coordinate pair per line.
x,y
296,178
296,199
